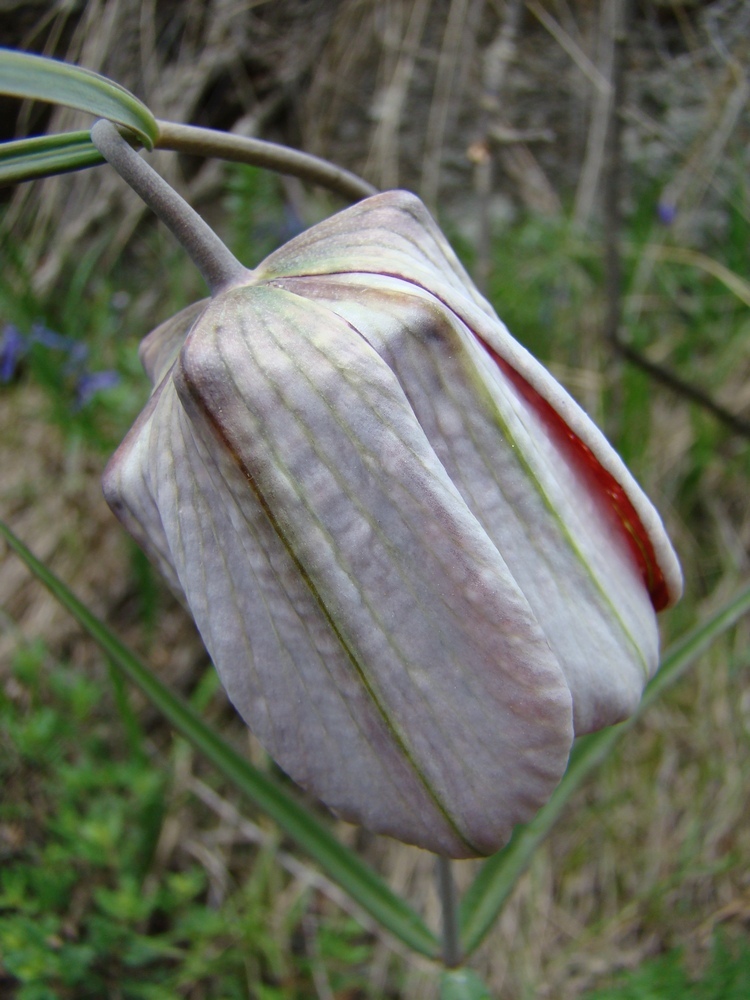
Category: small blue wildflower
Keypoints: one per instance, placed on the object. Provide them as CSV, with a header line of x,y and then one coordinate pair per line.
x,y
12,349
77,352
90,383
41,334
666,213
14,345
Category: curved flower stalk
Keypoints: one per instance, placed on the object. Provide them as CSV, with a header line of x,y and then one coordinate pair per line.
x,y
418,566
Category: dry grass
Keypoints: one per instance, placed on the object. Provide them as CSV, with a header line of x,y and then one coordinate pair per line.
x,y
650,854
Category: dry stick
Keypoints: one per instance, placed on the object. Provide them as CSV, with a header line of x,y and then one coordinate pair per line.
x,y
209,142
612,177
683,388
589,69
497,59
455,27
613,265
596,140
697,175
384,146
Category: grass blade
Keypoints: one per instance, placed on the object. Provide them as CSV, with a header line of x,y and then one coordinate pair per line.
x,y
692,258
342,865
28,159
41,79
485,898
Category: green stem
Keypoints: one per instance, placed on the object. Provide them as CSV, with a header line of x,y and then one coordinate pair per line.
x,y
214,260
447,890
227,146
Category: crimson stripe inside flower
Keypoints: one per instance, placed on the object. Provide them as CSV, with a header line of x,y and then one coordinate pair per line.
x,y
599,481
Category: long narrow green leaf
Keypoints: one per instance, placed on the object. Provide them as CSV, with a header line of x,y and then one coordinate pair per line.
x,y
485,898
38,78
340,864
43,156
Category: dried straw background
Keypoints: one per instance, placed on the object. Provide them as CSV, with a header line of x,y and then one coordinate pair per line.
x,y
414,93
407,92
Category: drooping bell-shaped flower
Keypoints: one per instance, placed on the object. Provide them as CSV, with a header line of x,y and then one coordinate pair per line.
x,y
418,567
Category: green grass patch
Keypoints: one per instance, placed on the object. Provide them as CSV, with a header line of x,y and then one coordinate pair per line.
x,y
88,908
727,977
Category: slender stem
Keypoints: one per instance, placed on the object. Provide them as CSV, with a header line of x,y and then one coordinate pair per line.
x,y
447,890
210,142
213,259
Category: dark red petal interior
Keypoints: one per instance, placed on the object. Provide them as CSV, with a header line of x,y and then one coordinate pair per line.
x,y
599,481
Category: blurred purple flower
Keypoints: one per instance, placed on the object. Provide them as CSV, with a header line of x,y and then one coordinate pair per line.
x,y
76,350
40,334
14,345
12,349
92,382
666,213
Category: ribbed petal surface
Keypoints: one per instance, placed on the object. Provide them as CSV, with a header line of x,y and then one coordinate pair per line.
x,y
392,234
361,619
558,536
413,559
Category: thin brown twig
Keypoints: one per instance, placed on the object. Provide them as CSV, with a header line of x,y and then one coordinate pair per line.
x,y
589,69
497,59
678,385
601,115
444,93
384,146
611,180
